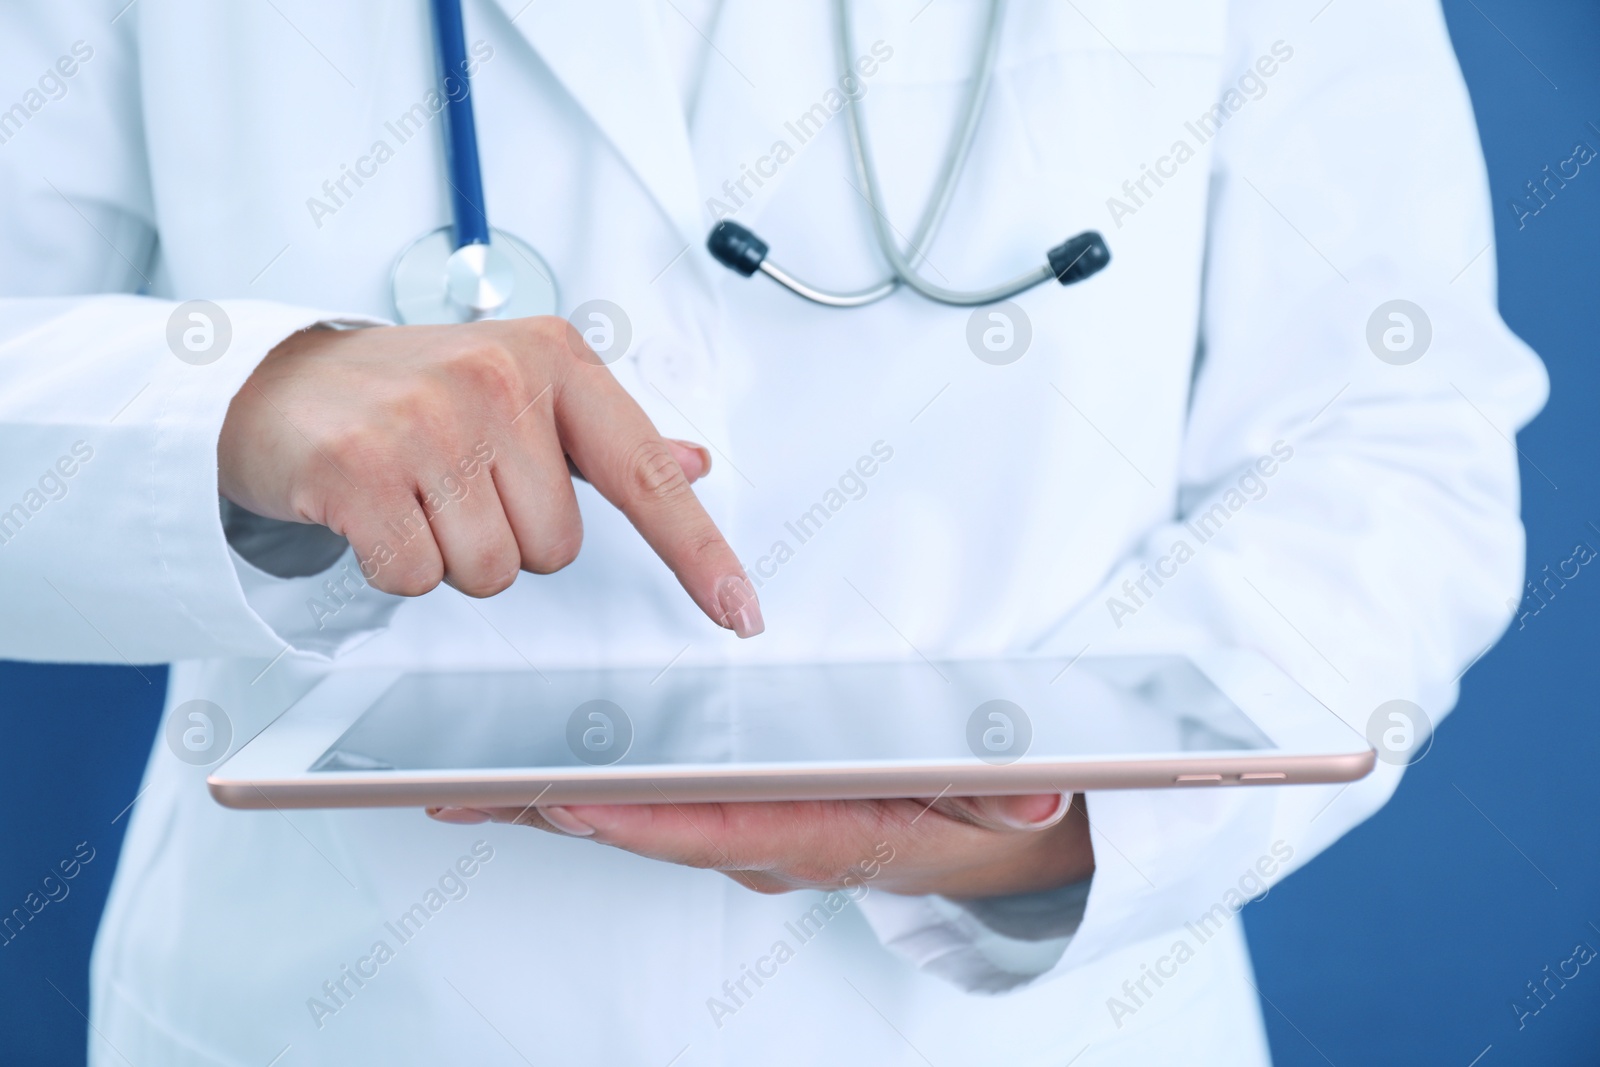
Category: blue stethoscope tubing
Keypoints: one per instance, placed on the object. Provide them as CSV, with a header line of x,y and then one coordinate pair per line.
x,y
460,128
468,270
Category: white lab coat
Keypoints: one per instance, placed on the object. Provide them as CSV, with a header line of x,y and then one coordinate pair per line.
x,y
1376,563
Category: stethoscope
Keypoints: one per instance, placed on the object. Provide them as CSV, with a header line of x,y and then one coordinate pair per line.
x,y
1073,260
469,271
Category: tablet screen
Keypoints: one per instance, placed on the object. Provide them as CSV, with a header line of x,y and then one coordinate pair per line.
x,y
998,711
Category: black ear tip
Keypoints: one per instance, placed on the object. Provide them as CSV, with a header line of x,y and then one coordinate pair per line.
x,y
736,247
1079,257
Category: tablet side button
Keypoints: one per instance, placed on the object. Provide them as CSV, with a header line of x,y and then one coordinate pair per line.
x,y
1197,779
1263,776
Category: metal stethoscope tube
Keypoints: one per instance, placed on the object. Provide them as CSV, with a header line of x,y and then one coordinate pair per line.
x,y
1079,257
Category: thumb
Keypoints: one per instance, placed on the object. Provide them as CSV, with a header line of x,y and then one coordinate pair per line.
x,y
1032,812
694,459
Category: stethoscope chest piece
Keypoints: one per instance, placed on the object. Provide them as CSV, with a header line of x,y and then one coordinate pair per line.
x,y
436,283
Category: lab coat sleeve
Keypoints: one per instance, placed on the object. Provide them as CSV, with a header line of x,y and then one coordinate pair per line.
x,y
111,545
1384,553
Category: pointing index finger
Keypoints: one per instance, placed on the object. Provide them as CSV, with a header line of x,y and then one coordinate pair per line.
x,y
612,442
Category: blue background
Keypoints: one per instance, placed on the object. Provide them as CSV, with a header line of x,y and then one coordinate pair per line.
x,y
1408,941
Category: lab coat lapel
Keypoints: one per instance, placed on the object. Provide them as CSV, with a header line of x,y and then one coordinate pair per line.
x,y
609,57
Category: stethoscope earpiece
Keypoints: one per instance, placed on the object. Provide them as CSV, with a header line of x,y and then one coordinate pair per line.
x,y
736,247
1079,257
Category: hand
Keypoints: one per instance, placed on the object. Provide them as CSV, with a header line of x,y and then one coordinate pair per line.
x,y
441,453
960,847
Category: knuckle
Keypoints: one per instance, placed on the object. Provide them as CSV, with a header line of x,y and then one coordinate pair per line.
x,y
549,330
402,566
486,367
481,587
652,473
407,586
543,339
414,414
354,445
409,581
551,555
311,503
487,571
703,545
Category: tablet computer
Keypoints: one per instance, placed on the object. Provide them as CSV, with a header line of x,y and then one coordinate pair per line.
x,y
364,738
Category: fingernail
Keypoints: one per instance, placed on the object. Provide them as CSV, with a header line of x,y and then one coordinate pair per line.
x,y
741,612
1003,810
565,821
699,450
463,816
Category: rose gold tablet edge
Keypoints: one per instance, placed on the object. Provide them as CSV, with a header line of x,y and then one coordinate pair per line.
x,y
701,786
